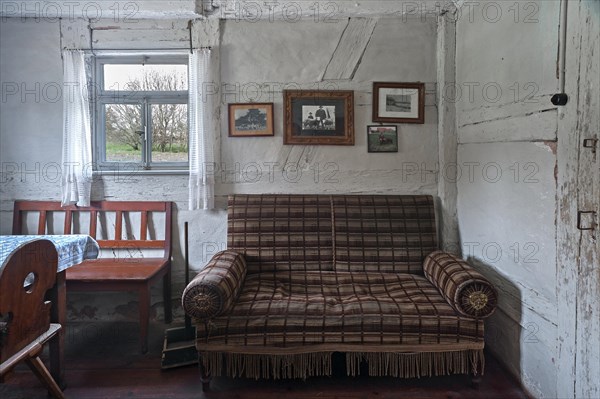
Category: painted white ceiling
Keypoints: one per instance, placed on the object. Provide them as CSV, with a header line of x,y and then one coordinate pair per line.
x,y
120,10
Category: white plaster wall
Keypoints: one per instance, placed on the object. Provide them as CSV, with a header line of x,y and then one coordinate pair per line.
x,y
259,60
270,54
507,129
30,112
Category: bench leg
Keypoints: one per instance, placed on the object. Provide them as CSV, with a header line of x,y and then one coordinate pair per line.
x,y
144,299
167,297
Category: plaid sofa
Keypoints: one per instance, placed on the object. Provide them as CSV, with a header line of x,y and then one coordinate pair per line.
x,y
308,275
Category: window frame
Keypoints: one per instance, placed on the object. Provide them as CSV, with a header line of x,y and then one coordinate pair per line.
x,y
143,98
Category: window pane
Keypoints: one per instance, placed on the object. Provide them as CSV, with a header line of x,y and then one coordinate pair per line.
x,y
169,133
123,140
149,77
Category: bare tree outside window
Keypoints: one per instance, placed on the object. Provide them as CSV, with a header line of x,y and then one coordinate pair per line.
x,y
167,122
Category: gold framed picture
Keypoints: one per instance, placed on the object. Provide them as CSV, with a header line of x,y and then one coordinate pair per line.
x,y
318,117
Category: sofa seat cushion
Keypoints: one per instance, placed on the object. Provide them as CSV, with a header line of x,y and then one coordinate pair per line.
x,y
285,310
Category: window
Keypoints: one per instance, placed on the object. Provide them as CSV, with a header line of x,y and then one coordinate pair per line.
x,y
141,115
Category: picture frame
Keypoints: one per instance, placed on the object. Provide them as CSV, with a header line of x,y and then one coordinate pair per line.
x,y
251,119
398,102
318,117
382,138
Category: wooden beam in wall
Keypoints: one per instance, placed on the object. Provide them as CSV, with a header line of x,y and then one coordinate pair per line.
x,y
350,49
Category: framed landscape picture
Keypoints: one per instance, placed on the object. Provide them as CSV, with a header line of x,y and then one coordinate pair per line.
x,y
398,102
251,120
318,117
382,138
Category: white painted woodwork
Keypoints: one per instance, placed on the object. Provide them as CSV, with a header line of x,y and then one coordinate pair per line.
x,y
578,280
143,34
239,10
447,139
350,49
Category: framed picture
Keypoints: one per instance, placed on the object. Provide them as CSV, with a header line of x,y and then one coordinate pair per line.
x,y
251,120
382,138
398,102
318,117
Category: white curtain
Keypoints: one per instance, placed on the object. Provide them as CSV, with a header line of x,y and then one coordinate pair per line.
x,y
77,135
202,181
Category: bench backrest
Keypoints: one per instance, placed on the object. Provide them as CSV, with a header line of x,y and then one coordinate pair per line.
x,y
378,233
98,211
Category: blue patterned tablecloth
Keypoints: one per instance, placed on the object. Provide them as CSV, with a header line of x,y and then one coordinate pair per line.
x,y
72,249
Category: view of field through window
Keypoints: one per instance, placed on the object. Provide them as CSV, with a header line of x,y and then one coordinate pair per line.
x,y
165,119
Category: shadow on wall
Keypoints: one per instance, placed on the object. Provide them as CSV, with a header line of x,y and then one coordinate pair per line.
x,y
504,330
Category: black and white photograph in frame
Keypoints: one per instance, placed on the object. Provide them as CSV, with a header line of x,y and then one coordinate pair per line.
x,y
398,102
251,120
318,117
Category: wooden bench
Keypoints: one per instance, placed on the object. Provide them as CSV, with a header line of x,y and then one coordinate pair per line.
x,y
121,272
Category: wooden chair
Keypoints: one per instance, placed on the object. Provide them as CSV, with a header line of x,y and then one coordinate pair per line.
x,y
119,272
25,325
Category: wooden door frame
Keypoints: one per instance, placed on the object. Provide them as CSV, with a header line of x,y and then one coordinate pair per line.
x,y
578,181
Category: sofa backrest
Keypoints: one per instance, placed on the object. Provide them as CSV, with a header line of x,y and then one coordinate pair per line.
x,y
281,232
385,233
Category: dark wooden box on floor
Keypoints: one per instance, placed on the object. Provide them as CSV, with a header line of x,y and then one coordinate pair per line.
x,y
121,273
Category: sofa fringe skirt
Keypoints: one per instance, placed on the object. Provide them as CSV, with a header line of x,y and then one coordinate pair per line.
x,y
380,364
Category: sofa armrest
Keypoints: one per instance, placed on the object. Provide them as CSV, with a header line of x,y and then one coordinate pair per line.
x,y
469,292
216,287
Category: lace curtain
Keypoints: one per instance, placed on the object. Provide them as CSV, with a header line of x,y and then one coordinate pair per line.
x,y
77,136
201,180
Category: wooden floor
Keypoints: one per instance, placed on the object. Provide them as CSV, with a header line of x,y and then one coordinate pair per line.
x,y
103,362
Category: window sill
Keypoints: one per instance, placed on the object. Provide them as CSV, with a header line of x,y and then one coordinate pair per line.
x,y
140,172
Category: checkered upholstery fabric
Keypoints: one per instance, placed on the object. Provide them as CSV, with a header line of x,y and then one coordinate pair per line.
x,y
281,232
287,310
384,233
214,290
469,292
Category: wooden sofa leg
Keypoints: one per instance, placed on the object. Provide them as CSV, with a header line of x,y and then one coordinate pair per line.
x,y
167,297
144,299
205,377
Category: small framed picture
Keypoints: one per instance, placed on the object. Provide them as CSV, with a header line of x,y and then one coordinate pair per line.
x,y
398,102
318,117
382,138
251,120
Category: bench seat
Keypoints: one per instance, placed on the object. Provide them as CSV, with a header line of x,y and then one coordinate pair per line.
x,y
108,270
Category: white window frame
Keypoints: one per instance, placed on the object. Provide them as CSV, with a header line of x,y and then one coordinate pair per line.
x,y
143,98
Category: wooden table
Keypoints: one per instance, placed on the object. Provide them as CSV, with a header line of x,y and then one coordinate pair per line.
x,y
72,250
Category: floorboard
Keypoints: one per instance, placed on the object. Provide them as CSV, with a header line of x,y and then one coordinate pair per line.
x,y
103,361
